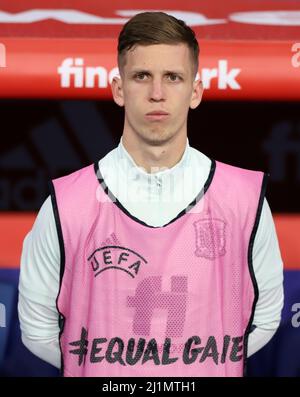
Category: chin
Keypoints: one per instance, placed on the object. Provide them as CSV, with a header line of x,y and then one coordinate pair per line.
x,y
156,138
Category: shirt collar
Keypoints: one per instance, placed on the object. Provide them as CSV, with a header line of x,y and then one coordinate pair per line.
x,y
137,172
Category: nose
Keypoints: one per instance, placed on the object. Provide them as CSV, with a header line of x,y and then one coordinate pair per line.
x,y
157,90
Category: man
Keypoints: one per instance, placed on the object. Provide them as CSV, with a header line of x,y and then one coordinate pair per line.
x,y
158,261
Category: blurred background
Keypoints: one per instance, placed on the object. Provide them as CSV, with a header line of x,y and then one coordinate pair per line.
x,y
57,115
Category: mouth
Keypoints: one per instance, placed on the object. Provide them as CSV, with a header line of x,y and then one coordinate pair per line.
x,y
157,115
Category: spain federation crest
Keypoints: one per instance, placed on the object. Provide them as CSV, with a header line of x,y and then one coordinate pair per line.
x,y
210,238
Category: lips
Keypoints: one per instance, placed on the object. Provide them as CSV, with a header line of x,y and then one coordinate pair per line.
x,y
157,115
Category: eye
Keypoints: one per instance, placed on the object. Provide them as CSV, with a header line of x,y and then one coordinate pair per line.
x,y
139,76
173,77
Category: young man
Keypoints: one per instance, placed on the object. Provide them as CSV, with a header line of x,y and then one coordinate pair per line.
x,y
158,261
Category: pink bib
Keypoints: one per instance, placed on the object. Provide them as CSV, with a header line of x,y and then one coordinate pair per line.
x,y
176,300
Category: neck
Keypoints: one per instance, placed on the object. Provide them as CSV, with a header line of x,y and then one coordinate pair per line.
x,y
155,158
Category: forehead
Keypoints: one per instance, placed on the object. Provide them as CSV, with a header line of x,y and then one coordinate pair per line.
x,y
158,57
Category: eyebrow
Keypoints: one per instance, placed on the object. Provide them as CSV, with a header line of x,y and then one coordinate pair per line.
x,y
179,72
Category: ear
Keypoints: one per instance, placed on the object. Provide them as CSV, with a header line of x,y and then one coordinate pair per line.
x,y
197,93
117,90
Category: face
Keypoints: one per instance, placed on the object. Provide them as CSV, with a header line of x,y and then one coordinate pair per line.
x,y
157,78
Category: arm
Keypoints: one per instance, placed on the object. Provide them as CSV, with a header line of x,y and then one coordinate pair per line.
x,y
38,288
268,269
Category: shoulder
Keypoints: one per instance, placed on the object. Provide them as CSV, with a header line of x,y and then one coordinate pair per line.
x,y
77,187
45,220
240,173
243,184
81,174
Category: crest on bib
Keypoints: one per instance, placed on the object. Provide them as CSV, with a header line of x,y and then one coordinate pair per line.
x,y
210,238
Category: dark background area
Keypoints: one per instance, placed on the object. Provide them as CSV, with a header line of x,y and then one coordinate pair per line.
x,y
43,139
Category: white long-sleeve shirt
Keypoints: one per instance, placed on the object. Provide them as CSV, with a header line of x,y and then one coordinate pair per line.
x,y
155,199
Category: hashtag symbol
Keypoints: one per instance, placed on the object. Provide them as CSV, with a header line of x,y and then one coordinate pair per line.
x,y
82,344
